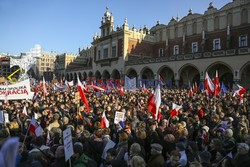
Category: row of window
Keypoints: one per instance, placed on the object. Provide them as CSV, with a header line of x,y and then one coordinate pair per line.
x,y
106,53
216,45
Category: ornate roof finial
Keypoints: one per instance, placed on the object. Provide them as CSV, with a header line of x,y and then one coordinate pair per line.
x,y
158,22
190,11
125,20
211,5
107,8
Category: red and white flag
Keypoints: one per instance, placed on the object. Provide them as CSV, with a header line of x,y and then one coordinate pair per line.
x,y
240,92
24,111
104,121
44,88
190,93
35,128
121,91
204,136
208,84
216,85
175,109
69,84
82,94
97,88
154,103
61,82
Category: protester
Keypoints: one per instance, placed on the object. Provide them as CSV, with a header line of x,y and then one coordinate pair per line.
x,y
205,131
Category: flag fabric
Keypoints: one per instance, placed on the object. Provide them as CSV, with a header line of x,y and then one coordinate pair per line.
x,y
169,84
58,87
216,85
121,91
44,88
82,94
223,88
122,124
154,102
24,111
61,83
104,121
204,136
175,109
240,92
161,80
8,153
96,88
208,85
130,84
195,87
190,93
230,155
201,86
35,128
48,141
69,84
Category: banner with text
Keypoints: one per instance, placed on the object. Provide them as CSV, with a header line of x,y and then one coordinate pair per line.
x,y
20,90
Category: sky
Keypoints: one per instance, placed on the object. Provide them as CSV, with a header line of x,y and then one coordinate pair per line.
x,y
66,25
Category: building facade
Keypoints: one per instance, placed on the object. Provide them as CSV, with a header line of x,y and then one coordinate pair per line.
x,y
181,51
5,69
46,64
61,62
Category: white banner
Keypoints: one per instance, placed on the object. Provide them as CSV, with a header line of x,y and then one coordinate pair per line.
x,y
20,90
119,116
130,84
68,145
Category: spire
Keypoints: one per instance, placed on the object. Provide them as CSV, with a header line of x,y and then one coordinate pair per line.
x,y
125,20
190,11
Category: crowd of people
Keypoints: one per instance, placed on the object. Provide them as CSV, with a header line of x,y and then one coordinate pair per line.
x,y
207,131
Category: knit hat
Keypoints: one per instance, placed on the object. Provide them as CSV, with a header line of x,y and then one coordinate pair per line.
x,y
156,147
243,146
205,157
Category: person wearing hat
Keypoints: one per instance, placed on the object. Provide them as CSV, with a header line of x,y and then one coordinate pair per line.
x,y
242,158
156,159
204,158
229,141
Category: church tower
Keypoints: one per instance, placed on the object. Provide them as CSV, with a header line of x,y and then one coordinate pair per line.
x,y
107,23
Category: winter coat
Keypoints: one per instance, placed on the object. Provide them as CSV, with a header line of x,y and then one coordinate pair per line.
x,y
156,161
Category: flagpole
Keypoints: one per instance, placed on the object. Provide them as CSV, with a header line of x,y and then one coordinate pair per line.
x,y
26,133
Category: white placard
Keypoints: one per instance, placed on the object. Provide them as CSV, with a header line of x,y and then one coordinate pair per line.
x,y
68,145
6,117
119,116
20,90
1,117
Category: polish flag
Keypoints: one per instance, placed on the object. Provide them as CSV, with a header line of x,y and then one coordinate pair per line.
x,y
240,92
154,103
121,91
24,111
69,84
82,94
44,88
204,136
104,121
190,92
35,128
97,88
175,109
208,84
216,84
